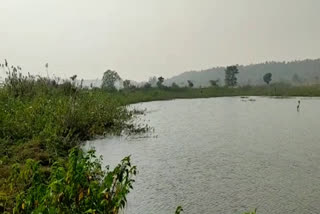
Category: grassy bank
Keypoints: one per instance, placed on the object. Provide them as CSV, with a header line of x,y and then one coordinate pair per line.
x,y
41,120
152,94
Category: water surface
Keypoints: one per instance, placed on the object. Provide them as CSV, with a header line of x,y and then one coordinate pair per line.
x,y
224,155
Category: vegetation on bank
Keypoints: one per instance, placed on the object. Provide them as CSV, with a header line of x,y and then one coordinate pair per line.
x,y
136,95
156,90
41,120
78,185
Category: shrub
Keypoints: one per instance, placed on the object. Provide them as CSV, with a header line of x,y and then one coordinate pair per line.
x,y
79,186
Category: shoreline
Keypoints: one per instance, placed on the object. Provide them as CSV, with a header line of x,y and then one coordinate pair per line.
x,y
133,96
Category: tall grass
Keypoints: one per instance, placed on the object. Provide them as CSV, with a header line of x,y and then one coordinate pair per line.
x,y
43,119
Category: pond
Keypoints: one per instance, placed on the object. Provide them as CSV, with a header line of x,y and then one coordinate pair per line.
x,y
224,155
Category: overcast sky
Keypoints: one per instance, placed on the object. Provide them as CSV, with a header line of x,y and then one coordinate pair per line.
x,y
143,38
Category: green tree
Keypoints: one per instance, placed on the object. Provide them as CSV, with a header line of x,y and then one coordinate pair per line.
x,y
214,83
160,82
190,83
109,79
267,78
174,85
230,75
147,85
126,84
296,79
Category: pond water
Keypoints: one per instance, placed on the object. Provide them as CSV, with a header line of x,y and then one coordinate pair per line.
x,y
224,155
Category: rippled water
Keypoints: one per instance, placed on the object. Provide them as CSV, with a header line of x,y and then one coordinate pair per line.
x,y
224,155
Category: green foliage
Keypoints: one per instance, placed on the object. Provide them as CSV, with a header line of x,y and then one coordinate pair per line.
x,y
167,93
179,210
147,85
267,78
61,117
109,79
160,82
190,83
230,75
42,119
78,186
214,83
126,84
174,85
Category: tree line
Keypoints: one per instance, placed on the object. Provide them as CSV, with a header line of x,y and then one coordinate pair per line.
x,y
112,81
294,73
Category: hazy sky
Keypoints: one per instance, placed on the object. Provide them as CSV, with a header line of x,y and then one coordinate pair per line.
x,y
143,38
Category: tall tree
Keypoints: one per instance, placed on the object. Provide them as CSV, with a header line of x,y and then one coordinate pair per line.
x,y
267,78
126,84
214,83
230,75
109,79
190,83
160,82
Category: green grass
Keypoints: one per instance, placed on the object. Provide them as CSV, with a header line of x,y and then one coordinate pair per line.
x,y
152,94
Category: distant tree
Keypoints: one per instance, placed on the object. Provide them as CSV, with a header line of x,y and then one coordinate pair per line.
x,y
126,84
160,82
109,79
174,85
190,83
296,78
73,78
147,85
153,81
267,78
230,75
47,69
214,83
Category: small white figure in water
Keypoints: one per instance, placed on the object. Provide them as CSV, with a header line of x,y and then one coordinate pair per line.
x,y
298,106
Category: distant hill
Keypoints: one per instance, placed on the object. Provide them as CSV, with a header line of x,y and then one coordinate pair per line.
x,y
295,72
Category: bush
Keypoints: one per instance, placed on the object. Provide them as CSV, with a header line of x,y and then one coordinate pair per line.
x,y
79,186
